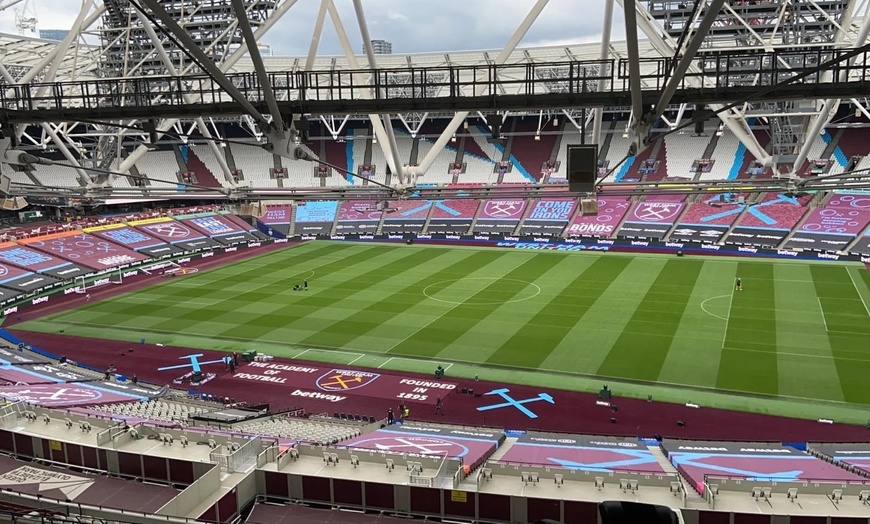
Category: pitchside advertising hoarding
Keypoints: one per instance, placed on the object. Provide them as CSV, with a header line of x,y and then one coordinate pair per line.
x,y
819,241
697,233
863,245
315,218
134,239
362,216
85,250
610,213
277,218
500,216
756,236
651,219
406,216
39,262
549,216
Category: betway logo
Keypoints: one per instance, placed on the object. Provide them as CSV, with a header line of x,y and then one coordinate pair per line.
x,y
183,260
280,241
481,237
367,237
639,243
786,253
101,282
828,256
255,244
230,249
9,311
394,237
674,244
512,239
539,239
711,247
865,260
743,249
337,237
452,237
207,254
309,237
606,242
39,300
317,396
70,290
424,237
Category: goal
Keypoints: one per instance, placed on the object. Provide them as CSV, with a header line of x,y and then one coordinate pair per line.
x,y
85,286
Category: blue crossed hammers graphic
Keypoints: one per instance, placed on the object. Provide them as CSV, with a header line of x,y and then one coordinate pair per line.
x,y
755,210
510,401
194,363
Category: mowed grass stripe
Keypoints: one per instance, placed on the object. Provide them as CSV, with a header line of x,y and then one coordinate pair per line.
x,y
749,359
805,361
344,332
434,337
552,324
435,298
642,348
848,329
586,346
303,306
187,313
697,346
507,319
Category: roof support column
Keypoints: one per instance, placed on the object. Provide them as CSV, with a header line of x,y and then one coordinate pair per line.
x,y
605,53
226,65
460,117
200,123
832,105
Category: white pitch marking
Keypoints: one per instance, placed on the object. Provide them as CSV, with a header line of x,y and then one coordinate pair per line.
x,y
713,314
354,360
858,291
385,362
727,320
300,354
822,310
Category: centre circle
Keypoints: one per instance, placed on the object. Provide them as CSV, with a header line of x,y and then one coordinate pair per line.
x,y
439,291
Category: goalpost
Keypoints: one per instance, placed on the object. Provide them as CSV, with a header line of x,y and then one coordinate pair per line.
x,y
84,286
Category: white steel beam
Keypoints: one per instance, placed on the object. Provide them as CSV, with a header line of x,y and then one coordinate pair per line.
x,y
226,65
502,57
605,52
82,175
315,37
832,105
389,146
200,123
665,46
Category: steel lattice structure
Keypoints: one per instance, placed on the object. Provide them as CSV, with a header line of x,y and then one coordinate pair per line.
x,y
789,61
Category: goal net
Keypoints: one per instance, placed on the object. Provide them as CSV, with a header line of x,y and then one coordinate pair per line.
x,y
85,286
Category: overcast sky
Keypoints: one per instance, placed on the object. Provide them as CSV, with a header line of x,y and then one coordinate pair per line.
x,y
413,26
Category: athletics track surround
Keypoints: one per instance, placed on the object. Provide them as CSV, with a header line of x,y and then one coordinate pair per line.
x,y
635,417
572,412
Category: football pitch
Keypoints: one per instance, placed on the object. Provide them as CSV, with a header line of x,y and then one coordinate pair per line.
x,y
797,330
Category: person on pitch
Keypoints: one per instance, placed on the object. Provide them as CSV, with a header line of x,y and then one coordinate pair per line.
x,y
739,284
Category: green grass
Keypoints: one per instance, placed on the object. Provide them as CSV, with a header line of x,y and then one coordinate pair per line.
x,y
794,341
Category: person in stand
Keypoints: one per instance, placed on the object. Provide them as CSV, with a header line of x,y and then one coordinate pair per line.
x,y
438,406
134,380
739,284
390,418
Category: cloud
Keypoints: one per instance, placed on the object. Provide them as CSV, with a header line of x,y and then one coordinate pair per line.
x,y
413,26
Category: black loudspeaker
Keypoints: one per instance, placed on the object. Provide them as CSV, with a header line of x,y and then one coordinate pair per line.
x,y
410,241
681,423
494,122
613,420
616,512
680,253
582,168
699,113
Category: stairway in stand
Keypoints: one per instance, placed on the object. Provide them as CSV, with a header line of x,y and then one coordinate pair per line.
x,y
204,176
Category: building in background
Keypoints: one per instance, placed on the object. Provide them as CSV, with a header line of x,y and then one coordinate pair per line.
x,y
381,47
53,34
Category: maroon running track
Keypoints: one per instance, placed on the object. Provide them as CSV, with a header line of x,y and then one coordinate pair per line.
x,y
571,411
